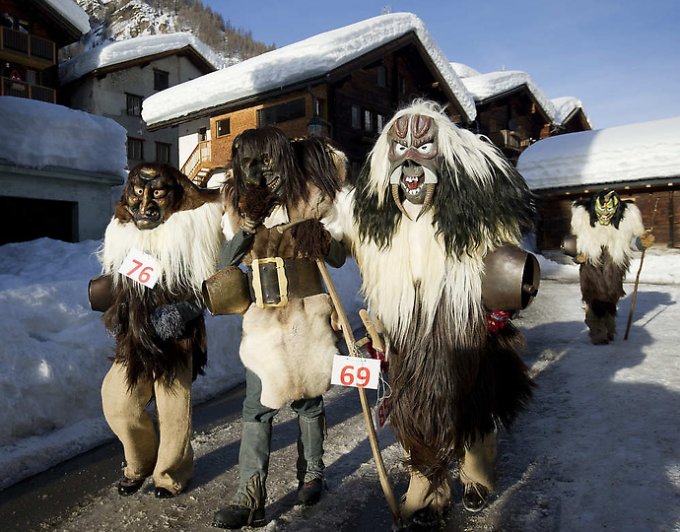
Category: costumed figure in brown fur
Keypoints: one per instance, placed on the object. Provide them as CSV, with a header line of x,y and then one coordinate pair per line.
x,y
163,225
432,206
276,201
607,230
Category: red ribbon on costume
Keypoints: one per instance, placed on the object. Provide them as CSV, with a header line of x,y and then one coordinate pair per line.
x,y
368,351
497,320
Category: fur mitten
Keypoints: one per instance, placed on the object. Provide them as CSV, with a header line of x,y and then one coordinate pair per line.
x,y
169,320
312,240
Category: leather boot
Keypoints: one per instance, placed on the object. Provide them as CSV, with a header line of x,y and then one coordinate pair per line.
x,y
310,464
247,505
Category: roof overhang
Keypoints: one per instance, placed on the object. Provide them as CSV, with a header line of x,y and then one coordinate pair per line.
x,y
331,76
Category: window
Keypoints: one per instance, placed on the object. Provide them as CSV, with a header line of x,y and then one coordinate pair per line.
x,y
134,104
402,85
135,149
163,152
368,120
380,122
281,112
223,127
356,117
382,76
161,80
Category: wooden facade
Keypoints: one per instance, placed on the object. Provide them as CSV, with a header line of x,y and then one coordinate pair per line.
x,y
512,120
30,35
351,104
658,201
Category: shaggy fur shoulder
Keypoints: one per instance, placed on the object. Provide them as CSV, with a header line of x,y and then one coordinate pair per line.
x,y
591,238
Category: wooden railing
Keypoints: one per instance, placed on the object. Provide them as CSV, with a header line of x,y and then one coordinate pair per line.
x,y
200,155
21,89
29,45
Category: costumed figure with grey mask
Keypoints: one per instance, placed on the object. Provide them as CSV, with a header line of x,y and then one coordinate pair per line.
x,y
163,240
434,221
276,199
605,233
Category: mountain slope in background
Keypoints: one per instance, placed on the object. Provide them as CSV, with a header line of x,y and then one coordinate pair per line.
x,y
115,20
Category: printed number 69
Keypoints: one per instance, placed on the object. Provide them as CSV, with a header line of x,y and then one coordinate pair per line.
x,y
363,376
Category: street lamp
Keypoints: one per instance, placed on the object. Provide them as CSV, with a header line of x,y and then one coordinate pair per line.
x,y
316,125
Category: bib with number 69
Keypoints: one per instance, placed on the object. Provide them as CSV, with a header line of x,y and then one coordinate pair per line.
x,y
141,268
355,371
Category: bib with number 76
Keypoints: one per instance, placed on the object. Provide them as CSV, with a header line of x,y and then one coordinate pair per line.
x,y
141,268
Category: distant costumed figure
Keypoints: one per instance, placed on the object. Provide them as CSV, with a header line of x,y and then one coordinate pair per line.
x,y
276,199
431,207
164,225
607,230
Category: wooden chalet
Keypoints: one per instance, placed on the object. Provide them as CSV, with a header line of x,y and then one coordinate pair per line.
x,y
569,116
348,101
31,33
640,161
511,110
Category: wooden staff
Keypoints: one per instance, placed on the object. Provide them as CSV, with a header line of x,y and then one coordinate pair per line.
x,y
637,277
368,419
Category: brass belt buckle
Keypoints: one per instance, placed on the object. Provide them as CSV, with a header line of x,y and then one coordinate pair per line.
x,y
280,276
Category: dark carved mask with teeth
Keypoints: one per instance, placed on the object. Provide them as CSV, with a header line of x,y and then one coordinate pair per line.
x,y
413,160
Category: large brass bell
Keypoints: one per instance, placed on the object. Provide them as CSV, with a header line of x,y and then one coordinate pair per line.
x,y
511,278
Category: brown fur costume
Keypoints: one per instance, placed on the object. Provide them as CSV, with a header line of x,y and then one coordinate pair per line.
x,y
606,252
160,332
290,348
175,240
453,383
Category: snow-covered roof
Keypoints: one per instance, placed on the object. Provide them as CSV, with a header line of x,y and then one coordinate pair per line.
x,y
485,86
297,62
121,52
566,107
463,70
71,12
646,150
36,134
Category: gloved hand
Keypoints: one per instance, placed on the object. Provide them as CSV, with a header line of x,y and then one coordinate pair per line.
x,y
647,239
312,240
169,320
580,258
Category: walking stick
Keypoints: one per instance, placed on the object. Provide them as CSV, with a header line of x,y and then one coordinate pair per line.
x,y
637,278
372,438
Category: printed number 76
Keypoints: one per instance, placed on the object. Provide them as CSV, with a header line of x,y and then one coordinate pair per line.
x,y
143,276
363,376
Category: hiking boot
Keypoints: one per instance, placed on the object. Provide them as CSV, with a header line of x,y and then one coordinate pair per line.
x,y
236,516
127,486
474,497
310,492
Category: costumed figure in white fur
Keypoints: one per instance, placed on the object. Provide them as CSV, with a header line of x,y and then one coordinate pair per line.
x,y
159,331
431,204
607,231
278,195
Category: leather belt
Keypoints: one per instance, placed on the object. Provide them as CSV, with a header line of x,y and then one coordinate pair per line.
x,y
273,281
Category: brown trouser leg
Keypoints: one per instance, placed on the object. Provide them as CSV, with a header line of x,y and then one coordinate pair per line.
x,y
171,459
478,464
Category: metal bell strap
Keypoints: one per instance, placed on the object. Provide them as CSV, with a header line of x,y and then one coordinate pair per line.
x,y
271,294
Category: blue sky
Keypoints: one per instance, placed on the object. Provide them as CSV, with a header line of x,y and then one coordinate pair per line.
x,y
621,58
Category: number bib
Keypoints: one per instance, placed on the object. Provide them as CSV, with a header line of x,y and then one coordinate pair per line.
x,y
355,371
140,267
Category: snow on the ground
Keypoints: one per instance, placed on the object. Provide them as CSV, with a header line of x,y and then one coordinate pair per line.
x,y
597,449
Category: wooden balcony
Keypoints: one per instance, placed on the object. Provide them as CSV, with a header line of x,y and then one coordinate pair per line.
x,y
506,139
21,89
27,49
